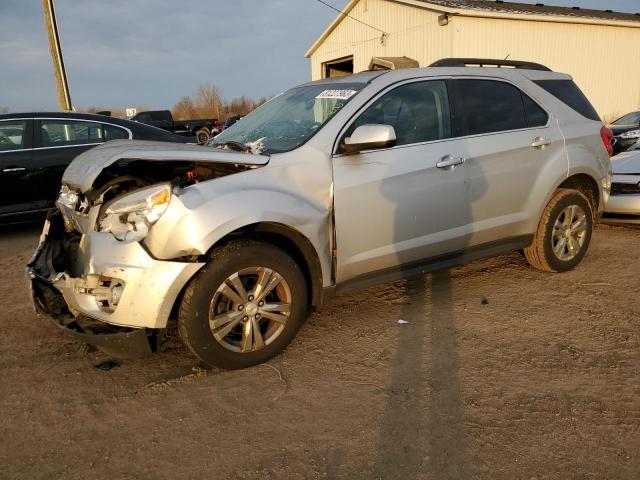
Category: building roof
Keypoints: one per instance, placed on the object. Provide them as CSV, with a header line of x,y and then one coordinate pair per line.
x,y
502,9
535,9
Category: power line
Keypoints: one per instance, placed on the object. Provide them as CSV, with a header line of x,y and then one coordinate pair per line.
x,y
352,18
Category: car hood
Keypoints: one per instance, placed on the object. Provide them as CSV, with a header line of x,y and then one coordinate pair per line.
x,y
85,168
626,163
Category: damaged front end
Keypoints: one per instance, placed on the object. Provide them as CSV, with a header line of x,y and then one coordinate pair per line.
x,y
47,276
91,273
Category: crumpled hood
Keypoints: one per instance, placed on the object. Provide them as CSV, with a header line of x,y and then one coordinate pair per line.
x,y
626,163
85,168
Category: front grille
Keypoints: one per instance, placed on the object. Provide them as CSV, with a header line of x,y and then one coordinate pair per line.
x,y
625,188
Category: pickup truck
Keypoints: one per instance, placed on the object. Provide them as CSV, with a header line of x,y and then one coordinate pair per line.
x,y
202,129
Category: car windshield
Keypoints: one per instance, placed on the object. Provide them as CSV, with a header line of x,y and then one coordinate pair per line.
x,y
288,120
629,119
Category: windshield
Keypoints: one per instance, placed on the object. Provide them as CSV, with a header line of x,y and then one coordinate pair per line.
x,y
629,119
290,119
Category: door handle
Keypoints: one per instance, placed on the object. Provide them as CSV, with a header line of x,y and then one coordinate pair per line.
x,y
540,142
450,161
14,169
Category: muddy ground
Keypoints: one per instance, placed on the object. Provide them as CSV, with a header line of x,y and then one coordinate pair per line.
x,y
501,373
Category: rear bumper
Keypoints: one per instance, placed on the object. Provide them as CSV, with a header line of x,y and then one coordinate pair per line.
x,y
117,286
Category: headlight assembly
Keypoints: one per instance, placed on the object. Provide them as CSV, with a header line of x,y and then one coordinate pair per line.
x,y
630,135
128,218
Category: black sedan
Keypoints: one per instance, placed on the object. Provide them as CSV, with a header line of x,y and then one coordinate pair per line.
x,y
626,132
35,149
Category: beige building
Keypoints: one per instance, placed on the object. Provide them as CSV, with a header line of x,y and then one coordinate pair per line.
x,y
600,49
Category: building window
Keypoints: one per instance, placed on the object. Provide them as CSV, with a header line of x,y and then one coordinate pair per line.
x,y
338,68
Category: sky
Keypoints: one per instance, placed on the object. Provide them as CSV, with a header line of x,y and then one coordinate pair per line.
x,y
121,53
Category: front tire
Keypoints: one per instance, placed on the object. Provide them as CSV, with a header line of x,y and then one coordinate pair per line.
x,y
245,306
564,233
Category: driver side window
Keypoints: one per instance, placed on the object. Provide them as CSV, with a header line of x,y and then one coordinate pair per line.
x,y
418,112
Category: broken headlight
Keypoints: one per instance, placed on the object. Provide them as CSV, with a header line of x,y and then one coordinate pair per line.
x,y
630,135
130,217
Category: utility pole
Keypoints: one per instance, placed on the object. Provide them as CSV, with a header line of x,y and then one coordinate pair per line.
x,y
64,97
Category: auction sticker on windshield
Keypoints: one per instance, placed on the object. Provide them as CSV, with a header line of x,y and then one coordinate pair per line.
x,y
338,94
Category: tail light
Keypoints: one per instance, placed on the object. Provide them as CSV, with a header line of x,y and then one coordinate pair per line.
x,y
607,136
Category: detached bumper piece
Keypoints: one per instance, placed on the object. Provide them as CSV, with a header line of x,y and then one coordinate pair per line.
x,y
120,342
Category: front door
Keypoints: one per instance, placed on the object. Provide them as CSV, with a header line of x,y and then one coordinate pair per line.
x,y
16,190
398,206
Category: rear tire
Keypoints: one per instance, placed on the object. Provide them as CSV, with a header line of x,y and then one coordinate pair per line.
x,y
202,136
226,318
564,233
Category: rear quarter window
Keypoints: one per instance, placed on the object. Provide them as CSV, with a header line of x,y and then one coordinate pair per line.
x,y
570,94
114,133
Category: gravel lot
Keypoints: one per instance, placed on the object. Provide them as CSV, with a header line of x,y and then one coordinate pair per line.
x,y
501,373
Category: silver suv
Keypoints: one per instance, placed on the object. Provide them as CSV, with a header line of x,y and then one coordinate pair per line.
x,y
330,186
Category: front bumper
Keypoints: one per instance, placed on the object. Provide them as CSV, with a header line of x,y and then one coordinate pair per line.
x,y
74,277
628,204
622,208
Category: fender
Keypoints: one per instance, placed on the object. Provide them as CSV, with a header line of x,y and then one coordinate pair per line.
x,y
191,227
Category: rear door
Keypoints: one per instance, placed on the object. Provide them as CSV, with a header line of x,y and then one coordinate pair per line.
x,y
509,141
57,143
398,206
16,190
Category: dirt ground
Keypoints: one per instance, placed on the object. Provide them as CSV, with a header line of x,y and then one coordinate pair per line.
x,y
501,373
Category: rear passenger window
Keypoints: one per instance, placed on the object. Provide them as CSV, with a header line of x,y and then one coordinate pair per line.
x,y
55,133
114,133
12,135
486,106
418,111
536,116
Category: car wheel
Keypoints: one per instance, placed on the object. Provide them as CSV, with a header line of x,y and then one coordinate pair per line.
x,y
563,234
202,135
244,306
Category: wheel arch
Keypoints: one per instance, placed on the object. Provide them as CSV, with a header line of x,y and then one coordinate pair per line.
x,y
291,241
586,185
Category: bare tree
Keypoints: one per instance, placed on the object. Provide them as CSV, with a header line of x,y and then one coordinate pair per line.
x,y
184,109
207,102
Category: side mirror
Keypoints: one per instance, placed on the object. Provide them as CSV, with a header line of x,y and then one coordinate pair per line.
x,y
369,137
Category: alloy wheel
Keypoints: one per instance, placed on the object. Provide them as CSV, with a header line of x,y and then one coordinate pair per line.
x,y
249,309
569,233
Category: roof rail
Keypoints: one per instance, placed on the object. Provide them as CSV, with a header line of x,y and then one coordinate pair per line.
x,y
482,62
